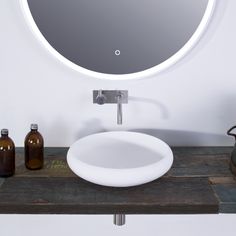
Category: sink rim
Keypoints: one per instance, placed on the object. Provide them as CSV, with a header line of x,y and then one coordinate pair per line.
x,y
128,176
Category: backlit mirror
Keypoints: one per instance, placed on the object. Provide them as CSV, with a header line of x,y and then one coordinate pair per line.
x,y
118,39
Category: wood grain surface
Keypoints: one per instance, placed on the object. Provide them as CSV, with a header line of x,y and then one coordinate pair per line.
x,y
199,182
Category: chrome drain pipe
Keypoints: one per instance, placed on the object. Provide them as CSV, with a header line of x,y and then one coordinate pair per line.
x,y
119,219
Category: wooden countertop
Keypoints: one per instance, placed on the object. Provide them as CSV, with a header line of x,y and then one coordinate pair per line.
x,y
199,182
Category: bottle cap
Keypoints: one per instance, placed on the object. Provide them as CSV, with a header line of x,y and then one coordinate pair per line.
x,y
34,127
4,132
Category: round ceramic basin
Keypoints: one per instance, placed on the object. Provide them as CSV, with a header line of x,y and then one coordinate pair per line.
x,y
119,158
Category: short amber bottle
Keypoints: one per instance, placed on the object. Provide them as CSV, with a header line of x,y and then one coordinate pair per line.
x,y
7,155
34,150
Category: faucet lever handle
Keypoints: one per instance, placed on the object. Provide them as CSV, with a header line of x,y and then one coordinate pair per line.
x,y
100,99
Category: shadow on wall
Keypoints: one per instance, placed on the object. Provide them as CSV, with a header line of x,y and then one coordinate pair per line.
x,y
172,137
56,132
163,110
91,126
187,138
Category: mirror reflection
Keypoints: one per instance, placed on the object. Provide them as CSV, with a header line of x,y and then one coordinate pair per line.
x,y
117,36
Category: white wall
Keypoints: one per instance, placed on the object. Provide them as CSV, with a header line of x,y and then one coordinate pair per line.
x,y
162,225
192,103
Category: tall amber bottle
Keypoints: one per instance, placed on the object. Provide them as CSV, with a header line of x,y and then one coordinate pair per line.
x,y
7,155
34,153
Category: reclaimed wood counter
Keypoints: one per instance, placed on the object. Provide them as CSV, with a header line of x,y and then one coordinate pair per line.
x,y
199,182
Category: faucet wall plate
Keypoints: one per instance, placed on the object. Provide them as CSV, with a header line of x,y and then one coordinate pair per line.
x,y
111,96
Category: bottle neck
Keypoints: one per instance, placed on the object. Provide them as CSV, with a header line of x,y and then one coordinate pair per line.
x,y
4,135
34,130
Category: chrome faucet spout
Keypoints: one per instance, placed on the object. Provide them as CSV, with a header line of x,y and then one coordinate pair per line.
x,y
119,108
118,97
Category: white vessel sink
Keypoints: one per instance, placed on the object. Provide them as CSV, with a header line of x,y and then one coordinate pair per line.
x,y
119,158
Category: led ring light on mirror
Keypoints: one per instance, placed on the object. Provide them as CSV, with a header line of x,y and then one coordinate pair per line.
x,y
125,39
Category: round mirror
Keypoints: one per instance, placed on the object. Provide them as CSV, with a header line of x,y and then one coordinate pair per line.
x,y
118,39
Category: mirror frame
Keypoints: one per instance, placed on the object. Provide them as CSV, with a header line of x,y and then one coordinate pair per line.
x,y
137,75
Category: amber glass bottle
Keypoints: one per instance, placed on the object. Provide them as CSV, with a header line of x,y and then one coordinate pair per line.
x,y
7,155
34,149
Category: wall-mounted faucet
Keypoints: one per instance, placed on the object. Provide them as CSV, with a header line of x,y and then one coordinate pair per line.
x,y
119,108
118,97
